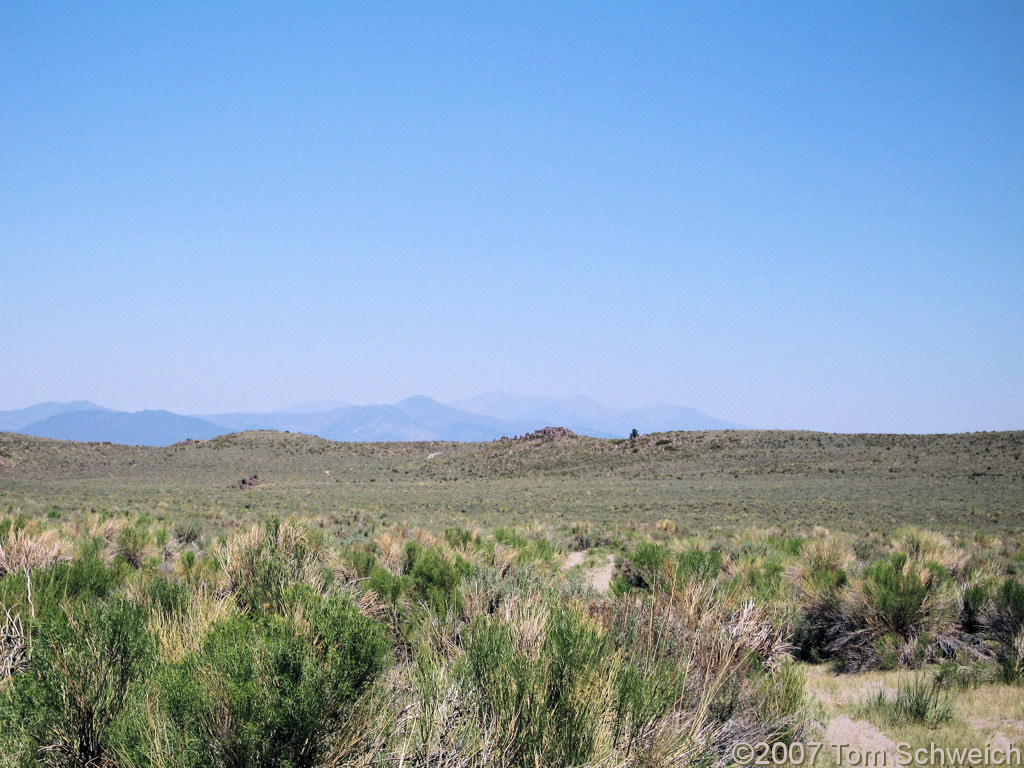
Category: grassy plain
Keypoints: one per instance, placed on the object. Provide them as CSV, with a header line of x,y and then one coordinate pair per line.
x,y
705,482
268,599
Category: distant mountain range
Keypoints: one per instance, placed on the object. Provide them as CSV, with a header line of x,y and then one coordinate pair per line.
x,y
486,417
142,428
12,421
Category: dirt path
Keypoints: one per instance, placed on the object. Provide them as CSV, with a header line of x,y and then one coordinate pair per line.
x,y
599,578
854,737
861,737
999,728
574,559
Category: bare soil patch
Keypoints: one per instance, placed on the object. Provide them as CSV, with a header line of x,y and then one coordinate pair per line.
x,y
574,559
600,578
860,736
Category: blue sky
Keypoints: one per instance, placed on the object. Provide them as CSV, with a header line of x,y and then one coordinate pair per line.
x,y
790,215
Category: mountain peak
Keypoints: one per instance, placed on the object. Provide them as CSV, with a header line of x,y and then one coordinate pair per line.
x,y
419,400
316,406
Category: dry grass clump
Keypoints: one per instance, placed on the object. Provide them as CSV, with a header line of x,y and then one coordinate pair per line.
x,y
22,550
181,631
426,539
826,551
260,564
926,547
391,543
94,526
503,558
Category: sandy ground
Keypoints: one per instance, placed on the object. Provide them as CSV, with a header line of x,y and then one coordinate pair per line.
x,y
992,712
860,736
599,578
574,559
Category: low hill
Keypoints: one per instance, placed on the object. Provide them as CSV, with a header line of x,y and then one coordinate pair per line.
x,y
699,481
415,418
589,417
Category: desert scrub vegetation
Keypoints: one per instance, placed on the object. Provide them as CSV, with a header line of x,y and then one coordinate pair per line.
x,y
125,641
920,599
277,646
916,701
924,601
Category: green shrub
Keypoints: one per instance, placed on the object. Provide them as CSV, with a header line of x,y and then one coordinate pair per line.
x,y
166,596
509,537
649,559
186,532
619,585
410,554
792,546
576,652
887,649
972,602
650,565
820,617
547,708
762,579
698,565
509,688
131,544
458,537
264,691
896,594
266,579
963,675
263,564
388,587
900,614
1010,606
828,580
437,581
87,662
645,689
362,561
537,549
784,692
86,578
1006,627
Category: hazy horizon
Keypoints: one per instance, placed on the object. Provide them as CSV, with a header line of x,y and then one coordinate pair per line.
x,y
348,403
797,216
341,405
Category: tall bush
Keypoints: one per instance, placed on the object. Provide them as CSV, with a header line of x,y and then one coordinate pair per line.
x,y
87,661
273,691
